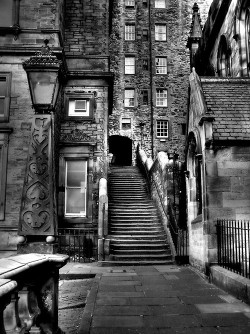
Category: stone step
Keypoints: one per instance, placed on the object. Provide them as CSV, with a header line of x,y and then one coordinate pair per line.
x,y
142,257
133,228
145,237
138,246
135,263
141,252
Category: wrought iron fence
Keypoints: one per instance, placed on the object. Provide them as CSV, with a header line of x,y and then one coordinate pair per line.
x,y
80,244
234,246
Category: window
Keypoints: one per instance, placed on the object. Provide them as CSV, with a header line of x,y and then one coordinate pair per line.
x,y
145,64
9,13
161,65
130,3
144,97
75,188
161,97
129,65
129,98
162,129
6,12
160,32
80,105
160,3
145,3
5,79
223,58
129,32
145,35
126,124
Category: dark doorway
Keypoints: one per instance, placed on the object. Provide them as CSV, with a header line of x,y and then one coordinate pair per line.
x,y
121,148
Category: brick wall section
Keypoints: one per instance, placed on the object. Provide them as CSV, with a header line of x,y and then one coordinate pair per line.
x,y
86,27
177,15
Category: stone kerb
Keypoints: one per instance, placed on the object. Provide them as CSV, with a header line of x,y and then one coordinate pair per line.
x,y
29,293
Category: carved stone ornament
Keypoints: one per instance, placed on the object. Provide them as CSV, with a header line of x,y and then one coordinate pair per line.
x,y
76,135
38,205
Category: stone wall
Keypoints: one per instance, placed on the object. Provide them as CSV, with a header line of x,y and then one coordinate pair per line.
x,y
177,16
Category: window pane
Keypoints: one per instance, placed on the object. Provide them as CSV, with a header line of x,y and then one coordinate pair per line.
x,y
130,3
161,97
75,201
160,32
80,105
162,129
6,13
2,106
161,65
129,65
129,98
75,173
160,3
78,108
2,87
129,32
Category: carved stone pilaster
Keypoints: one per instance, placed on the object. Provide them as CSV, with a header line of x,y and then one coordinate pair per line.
x,y
38,202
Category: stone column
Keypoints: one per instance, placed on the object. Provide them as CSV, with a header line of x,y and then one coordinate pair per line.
x,y
38,219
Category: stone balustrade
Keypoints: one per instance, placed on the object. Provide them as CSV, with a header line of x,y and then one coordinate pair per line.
x,y
29,293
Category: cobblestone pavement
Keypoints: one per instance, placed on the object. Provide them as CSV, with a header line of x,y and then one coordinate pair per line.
x,y
72,298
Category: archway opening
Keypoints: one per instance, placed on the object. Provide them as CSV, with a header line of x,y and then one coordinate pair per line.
x,y
121,148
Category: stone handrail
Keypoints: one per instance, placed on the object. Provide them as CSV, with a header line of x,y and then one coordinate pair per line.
x,y
103,220
29,293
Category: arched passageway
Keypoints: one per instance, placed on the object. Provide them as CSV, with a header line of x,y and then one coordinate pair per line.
x,y
121,148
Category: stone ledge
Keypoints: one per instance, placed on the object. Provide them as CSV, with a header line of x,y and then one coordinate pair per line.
x,y
231,282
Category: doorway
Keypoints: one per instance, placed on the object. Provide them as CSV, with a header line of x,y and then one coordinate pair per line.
x,y
121,148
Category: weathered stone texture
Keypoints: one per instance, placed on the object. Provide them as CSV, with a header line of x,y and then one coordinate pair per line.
x,y
177,16
86,27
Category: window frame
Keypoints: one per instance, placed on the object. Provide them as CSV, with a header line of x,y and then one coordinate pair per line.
x,y
129,66
162,129
145,35
5,116
131,33
127,98
142,97
122,122
158,67
90,102
158,34
156,1
71,215
14,27
128,3
158,98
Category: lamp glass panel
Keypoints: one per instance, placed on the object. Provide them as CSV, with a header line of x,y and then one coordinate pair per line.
x,y
42,86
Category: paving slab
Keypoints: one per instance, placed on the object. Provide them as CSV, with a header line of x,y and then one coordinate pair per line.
x,y
158,299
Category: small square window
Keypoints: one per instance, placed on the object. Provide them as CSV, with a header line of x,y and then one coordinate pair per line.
x,y
126,124
160,32
145,3
129,98
78,107
130,3
144,97
129,65
145,64
162,129
145,35
161,65
161,97
129,32
160,3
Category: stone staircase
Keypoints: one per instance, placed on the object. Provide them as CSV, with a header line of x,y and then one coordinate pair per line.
x,y
136,233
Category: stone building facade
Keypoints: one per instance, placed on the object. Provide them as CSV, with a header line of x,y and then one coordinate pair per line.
x,y
218,148
95,113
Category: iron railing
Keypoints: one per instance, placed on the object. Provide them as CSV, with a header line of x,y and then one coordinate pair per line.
x,y
234,246
80,244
